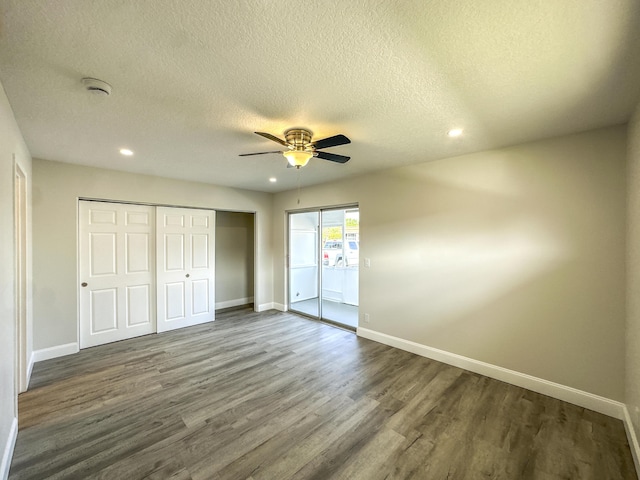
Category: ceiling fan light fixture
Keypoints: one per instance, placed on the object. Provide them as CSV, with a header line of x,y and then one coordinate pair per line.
x,y
299,148
298,158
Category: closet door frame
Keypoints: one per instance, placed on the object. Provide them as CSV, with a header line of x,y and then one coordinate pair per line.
x,y
153,306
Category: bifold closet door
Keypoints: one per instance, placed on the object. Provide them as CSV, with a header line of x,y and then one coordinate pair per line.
x,y
117,275
185,269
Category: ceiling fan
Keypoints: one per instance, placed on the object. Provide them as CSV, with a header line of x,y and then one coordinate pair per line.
x,y
300,148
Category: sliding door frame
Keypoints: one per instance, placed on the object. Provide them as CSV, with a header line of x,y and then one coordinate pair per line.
x,y
319,210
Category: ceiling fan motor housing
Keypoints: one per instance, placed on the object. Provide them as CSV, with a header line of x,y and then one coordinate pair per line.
x,y
298,138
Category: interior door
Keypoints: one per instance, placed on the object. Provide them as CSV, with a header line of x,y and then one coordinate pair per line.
x,y
185,267
116,267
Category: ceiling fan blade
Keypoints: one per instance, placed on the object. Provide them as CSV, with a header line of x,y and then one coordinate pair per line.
x,y
330,142
331,157
258,153
271,137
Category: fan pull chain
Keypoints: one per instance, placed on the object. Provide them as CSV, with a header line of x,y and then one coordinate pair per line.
x,y
298,185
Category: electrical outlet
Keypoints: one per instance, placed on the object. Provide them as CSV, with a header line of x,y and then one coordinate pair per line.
x,y
367,262
366,318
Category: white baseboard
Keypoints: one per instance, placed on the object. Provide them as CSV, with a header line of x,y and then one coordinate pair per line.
x,y
263,307
7,454
234,303
271,306
55,352
632,439
568,394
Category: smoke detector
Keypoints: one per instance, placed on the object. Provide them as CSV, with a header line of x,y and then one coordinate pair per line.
x,y
96,86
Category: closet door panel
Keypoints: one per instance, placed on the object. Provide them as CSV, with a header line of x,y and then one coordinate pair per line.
x,y
116,270
185,267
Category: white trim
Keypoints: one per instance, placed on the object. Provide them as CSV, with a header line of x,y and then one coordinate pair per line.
x,y
539,385
270,306
234,303
632,439
8,450
21,272
263,307
55,352
32,360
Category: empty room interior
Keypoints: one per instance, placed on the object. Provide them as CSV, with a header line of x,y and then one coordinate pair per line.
x,y
284,240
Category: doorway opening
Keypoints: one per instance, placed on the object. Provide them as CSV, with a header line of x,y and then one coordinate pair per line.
x,y
235,259
324,261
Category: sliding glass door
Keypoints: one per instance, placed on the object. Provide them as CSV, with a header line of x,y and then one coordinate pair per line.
x,y
324,259
304,272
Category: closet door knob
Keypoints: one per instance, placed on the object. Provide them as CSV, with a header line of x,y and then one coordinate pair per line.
x,y
84,284
187,275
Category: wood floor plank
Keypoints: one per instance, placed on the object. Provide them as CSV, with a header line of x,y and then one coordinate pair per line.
x,y
276,396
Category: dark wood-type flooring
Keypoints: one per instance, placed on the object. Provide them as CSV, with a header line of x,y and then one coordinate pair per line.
x,y
276,396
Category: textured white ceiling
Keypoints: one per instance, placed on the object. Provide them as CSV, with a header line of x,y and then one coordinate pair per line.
x,y
192,79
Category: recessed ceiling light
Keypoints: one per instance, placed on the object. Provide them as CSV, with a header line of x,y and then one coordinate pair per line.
x,y
126,152
273,179
455,132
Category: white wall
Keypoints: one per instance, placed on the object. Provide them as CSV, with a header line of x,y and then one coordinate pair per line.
x,y
513,257
11,143
56,188
633,276
234,258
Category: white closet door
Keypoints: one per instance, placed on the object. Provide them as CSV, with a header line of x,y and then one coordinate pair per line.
x,y
185,267
117,275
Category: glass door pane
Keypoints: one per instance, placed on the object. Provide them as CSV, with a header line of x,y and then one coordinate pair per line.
x,y
340,265
303,263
